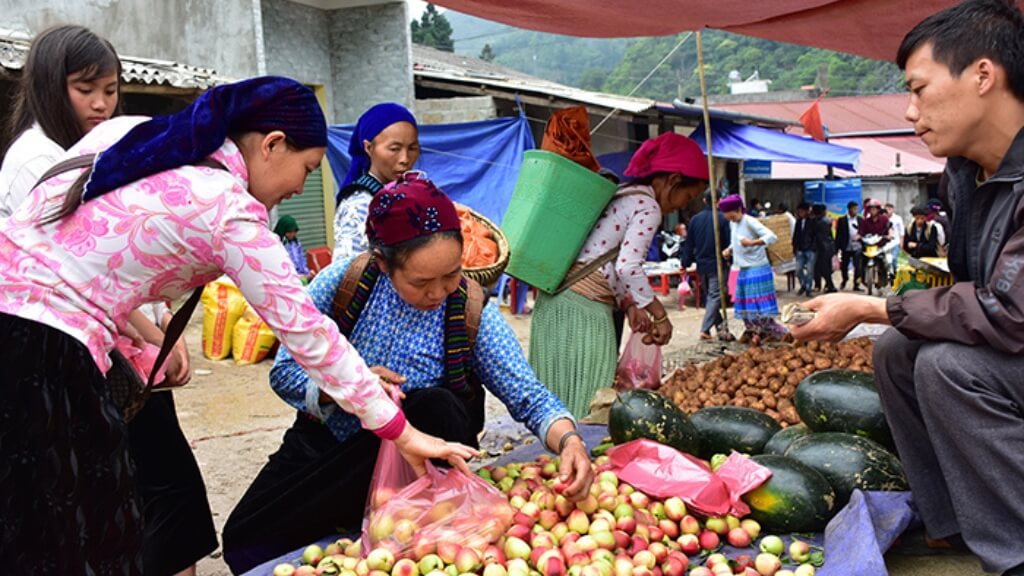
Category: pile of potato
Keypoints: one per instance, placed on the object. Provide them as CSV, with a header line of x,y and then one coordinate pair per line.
x,y
762,378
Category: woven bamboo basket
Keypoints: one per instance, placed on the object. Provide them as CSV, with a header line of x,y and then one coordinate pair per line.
x,y
489,275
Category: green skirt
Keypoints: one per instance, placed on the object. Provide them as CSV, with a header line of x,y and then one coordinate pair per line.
x,y
573,348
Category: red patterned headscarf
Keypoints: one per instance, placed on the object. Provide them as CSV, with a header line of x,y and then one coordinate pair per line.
x,y
410,207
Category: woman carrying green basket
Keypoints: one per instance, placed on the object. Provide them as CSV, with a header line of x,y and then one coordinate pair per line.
x,y
572,343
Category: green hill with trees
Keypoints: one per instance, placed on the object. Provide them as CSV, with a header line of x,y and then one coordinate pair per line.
x,y
617,65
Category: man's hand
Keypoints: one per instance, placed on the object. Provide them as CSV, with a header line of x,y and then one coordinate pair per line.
x,y
837,314
575,470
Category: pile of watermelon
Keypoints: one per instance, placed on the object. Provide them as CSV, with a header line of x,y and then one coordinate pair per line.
x,y
844,444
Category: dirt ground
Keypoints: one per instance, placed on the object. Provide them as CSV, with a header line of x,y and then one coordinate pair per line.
x,y
234,421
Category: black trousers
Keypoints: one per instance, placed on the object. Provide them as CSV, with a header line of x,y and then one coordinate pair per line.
x,y
956,415
178,523
846,258
67,497
314,485
823,270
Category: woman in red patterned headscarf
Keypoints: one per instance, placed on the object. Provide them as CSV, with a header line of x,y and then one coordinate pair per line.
x,y
572,342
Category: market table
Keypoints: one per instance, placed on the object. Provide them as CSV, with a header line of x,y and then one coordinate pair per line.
x,y
854,541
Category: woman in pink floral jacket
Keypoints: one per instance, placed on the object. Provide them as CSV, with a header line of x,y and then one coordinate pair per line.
x,y
145,223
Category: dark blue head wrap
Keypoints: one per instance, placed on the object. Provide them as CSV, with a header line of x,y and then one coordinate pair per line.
x,y
165,142
371,123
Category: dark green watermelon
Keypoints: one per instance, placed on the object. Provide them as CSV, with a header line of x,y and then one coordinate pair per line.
x,y
726,428
843,401
783,438
644,414
795,499
849,462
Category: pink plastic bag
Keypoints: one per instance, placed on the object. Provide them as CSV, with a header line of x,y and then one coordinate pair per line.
x,y
639,366
662,471
142,360
442,507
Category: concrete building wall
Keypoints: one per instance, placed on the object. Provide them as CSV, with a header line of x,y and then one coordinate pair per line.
x,y
218,34
297,43
455,110
371,59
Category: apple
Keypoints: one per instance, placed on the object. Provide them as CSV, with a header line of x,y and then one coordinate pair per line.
x,y
701,571
709,540
524,519
689,525
578,521
658,510
643,516
517,502
517,567
752,528
626,489
505,484
429,563
448,551
423,545
800,551
732,521
642,571
516,548
646,559
669,528
405,567
654,534
587,544
468,560
355,549
675,565
622,539
742,562
675,509
623,511
404,531
570,537
626,524
739,538
772,545
605,540
721,570
381,526
602,555
519,531
312,555
548,519
659,550
639,500
563,506
495,570
543,540
380,559
716,559
588,504
623,567
559,531
592,570
785,572
599,525
361,568
608,501
332,549
382,495
636,544
348,563
689,544
804,570
284,570
551,563
451,570
717,525
767,564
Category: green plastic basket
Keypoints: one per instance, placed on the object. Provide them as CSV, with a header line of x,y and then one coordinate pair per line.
x,y
555,204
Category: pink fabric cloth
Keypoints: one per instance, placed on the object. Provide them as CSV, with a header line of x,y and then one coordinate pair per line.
x,y
669,152
157,239
631,223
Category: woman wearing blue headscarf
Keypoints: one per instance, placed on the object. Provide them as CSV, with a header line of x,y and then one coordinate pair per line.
x,y
384,145
167,205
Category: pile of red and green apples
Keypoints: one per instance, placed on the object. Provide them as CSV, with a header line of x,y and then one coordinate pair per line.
x,y
615,531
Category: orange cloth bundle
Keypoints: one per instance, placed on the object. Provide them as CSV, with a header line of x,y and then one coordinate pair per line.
x,y
568,134
478,248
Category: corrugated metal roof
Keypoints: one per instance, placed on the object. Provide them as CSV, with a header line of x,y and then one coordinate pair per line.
x,y
842,114
431,63
134,70
878,157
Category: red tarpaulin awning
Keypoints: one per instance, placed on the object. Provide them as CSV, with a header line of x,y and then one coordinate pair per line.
x,y
872,28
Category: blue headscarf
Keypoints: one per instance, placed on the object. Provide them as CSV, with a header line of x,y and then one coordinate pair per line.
x,y
371,123
261,105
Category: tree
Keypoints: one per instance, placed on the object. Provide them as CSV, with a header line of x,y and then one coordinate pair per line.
x,y
433,29
487,53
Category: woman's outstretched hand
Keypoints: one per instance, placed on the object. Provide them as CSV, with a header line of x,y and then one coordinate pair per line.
x,y
417,447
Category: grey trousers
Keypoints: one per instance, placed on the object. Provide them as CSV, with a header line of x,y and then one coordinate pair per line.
x,y
713,307
956,415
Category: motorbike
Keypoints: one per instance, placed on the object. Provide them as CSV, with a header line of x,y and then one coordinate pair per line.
x,y
875,251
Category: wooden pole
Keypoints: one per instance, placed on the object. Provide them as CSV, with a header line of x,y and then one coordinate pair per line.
x,y
723,286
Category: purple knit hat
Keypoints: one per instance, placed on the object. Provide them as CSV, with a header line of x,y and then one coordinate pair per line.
x,y
730,203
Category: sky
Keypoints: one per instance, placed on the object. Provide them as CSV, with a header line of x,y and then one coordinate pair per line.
x,y
416,8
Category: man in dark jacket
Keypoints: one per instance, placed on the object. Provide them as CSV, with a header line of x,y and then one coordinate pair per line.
x,y
949,373
922,237
824,248
803,248
699,248
848,245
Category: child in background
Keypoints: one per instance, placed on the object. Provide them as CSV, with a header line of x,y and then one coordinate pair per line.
x,y
288,229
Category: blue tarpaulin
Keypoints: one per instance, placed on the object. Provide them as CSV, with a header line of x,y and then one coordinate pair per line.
x,y
743,142
476,163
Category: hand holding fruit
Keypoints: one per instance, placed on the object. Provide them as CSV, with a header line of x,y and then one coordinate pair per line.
x,y
417,447
575,469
